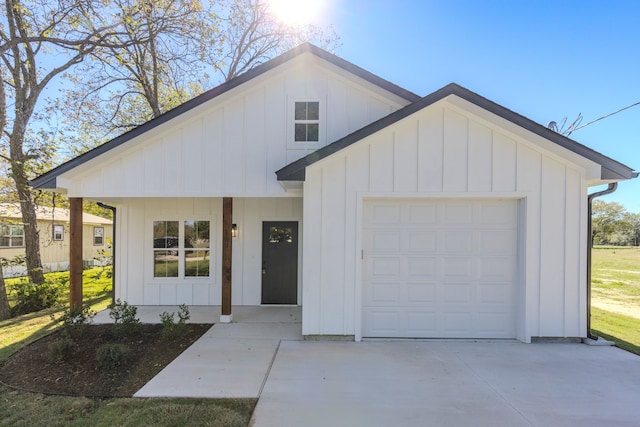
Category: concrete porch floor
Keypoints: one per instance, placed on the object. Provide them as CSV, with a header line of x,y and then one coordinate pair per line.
x,y
211,314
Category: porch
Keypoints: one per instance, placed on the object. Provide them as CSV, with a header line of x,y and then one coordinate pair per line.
x,y
266,314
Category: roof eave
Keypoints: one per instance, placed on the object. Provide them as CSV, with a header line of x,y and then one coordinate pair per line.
x,y
47,180
610,167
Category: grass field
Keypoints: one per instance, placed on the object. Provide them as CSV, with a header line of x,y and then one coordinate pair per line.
x,y
615,313
22,330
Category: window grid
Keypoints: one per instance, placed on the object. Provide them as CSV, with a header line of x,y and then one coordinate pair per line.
x,y
181,249
307,121
58,232
11,236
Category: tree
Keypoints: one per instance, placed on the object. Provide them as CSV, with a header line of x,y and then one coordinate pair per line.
x,y
253,35
613,225
148,68
168,53
605,216
39,41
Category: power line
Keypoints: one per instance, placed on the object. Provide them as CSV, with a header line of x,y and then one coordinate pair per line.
x,y
604,117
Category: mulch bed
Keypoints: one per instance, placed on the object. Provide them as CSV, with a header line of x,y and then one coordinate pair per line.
x,y
79,373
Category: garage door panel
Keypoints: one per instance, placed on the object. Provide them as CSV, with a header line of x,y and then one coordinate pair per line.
x,y
421,323
421,293
384,322
384,294
457,267
456,213
495,293
498,214
455,324
458,241
440,268
495,268
494,241
426,266
421,214
387,240
386,266
384,214
419,240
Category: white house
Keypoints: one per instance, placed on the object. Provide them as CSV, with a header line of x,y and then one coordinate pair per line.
x,y
382,213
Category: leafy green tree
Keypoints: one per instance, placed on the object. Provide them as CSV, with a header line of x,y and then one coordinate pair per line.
x,y
38,41
170,52
613,225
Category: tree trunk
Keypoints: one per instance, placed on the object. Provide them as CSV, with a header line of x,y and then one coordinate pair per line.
x,y
31,233
5,310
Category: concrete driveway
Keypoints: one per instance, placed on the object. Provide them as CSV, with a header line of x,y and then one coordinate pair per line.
x,y
398,383
449,383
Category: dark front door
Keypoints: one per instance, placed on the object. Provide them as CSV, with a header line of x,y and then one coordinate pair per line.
x,y
280,262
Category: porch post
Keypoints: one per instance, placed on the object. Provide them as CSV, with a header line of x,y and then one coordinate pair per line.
x,y
75,253
227,214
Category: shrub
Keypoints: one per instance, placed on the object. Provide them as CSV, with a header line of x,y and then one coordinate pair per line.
x,y
110,356
75,321
170,329
31,297
59,350
124,316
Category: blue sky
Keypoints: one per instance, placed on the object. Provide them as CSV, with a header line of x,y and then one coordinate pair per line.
x,y
544,60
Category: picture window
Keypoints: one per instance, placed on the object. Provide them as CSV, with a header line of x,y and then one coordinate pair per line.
x,y
181,249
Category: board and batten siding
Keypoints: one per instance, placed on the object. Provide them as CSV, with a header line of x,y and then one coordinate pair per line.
x,y
134,273
439,152
233,144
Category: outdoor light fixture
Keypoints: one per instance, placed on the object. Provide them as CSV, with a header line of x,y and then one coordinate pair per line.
x,y
234,230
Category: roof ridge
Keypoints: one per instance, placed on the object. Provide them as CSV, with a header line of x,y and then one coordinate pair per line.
x,y
47,179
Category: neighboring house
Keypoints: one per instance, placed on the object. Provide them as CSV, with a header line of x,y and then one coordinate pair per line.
x,y
382,213
53,225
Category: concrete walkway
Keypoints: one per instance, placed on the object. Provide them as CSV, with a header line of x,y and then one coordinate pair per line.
x,y
401,383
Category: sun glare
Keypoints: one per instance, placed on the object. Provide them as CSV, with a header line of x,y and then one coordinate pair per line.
x,y
296,12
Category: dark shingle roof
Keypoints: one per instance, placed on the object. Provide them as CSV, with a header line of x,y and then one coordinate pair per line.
x,y
48,179
611,169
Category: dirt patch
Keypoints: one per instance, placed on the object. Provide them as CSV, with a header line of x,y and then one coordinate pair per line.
x,y
79,374
619,308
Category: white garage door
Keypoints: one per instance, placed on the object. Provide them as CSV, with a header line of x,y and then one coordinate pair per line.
x,y
440,268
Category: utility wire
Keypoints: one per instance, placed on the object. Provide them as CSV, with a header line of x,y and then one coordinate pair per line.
x,y
605,116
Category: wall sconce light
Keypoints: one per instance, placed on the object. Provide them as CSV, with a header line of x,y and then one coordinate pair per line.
x,y
234,230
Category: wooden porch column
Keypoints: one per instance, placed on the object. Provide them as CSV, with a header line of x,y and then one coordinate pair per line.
x,y
227,214
75,253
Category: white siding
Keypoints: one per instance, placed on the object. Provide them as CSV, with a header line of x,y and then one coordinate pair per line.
x,y
134,275
233,144
445,151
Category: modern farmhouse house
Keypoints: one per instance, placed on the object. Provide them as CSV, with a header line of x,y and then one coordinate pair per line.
x,y
310,181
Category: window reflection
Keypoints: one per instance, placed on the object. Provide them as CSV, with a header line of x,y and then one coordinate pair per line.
x,y
280,235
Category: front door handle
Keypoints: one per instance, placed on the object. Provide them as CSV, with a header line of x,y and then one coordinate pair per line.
x,y
264,267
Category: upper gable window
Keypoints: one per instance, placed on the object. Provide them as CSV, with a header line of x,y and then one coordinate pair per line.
x,y
307,121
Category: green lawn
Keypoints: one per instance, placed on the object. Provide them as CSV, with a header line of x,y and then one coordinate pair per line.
x,y
615,314
31,410
22,330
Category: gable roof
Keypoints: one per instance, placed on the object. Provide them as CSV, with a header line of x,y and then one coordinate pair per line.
x,y
611,169
48,179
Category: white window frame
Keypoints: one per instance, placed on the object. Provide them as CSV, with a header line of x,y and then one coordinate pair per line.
x,y
181,251
100,234
291,124
12,236
58,229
